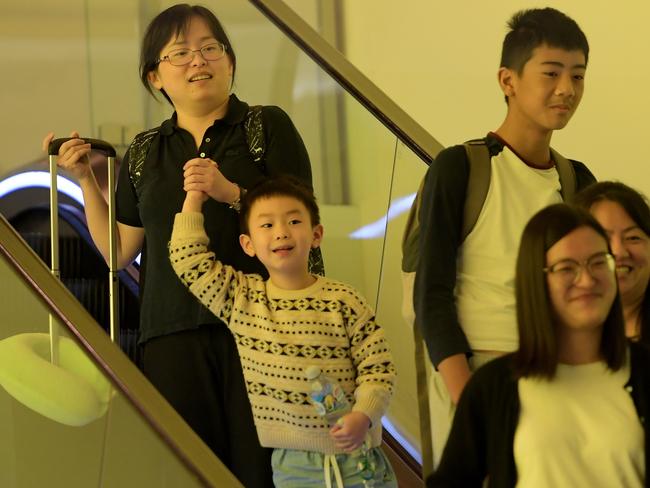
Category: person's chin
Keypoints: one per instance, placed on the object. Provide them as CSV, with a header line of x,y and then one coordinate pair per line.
x,y
590,322
624,284
560,123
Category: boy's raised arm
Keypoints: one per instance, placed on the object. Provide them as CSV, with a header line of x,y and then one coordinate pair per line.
x,y
206,277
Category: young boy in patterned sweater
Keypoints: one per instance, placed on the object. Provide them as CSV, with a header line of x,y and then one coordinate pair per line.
x,y
287,323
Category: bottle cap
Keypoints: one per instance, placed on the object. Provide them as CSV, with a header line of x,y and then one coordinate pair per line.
x,y
312,372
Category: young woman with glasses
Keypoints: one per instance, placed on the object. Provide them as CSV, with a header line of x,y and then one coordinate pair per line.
x,y
568,408
186,354
624,214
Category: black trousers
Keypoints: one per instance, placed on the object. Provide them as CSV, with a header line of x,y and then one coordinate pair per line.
x,y
199,373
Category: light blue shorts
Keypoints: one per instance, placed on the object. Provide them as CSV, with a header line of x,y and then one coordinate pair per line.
x,y
305,469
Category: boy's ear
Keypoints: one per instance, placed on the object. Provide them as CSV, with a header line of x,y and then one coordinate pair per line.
x,y
317,235
506,78
246,244
154,79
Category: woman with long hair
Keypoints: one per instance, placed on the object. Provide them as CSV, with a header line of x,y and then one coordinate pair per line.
x,y
568,407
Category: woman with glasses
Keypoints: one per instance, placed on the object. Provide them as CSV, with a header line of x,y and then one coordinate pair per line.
x,y
568,407
206,145
624,214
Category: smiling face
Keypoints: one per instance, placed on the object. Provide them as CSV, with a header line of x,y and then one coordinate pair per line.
x,y
585,303
200,82
630,246
545,95
281,236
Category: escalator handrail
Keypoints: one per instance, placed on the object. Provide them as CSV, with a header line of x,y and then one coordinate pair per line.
x,y
412,134
131,383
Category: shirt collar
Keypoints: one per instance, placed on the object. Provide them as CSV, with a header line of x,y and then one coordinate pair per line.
x,y
499,140
235,114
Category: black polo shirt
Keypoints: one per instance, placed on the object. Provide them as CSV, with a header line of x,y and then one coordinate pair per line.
x,y
166,305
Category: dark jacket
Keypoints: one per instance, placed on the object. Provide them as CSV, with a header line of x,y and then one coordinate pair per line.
x,y
441,216
482,436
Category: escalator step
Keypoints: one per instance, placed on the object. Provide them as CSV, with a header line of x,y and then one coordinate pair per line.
x,y
75,259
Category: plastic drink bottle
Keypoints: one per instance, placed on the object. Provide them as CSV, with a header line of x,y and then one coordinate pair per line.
x,y
326,395
330,401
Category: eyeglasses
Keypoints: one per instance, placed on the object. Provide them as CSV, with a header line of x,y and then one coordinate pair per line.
x,y
599,266
181,57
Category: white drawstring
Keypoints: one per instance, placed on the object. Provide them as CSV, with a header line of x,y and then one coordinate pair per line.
x,y
330,460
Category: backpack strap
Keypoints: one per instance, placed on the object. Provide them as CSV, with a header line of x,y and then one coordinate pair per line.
x,y
138,153
411,236
422,388
478,183
254,130
567,175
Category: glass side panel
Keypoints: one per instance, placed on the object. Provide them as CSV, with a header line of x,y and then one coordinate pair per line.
x,y
118,448
408,173
355,171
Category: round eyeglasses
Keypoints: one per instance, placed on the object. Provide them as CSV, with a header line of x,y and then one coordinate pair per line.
x,y
183,56
599,266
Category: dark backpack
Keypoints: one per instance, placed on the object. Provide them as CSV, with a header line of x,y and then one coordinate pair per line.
x,y
254,131
478,183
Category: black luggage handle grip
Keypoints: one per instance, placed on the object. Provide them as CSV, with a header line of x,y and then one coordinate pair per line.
x,y
95,144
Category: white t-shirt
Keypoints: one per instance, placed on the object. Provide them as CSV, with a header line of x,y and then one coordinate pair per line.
x,y
579,430
485,286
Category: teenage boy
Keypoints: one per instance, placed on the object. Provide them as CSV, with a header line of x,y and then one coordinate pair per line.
x,y
288,323
464,290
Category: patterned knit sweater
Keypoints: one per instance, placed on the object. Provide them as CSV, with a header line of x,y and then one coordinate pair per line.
x,y
279,333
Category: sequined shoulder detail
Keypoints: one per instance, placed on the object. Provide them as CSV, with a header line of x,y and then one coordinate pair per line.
x,y
255,133
138,153
316,264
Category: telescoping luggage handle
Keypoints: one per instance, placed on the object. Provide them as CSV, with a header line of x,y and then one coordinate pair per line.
x,y
113,283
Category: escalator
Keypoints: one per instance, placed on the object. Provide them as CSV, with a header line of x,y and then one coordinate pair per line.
x,y
132,437
346,122
82,268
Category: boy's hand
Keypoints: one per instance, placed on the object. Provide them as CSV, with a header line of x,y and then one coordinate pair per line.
x,y
194,201
350,431
204,175
73,155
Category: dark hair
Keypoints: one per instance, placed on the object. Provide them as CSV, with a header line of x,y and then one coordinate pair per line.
x,y
173,22
633,202
538,349
530,29
279,186
635,205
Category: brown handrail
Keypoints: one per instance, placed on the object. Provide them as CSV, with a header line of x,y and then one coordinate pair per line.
x,y
351,79
169,426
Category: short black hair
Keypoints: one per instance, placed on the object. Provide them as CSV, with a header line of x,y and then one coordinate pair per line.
x,y
538,349
173,22
279,186
529,29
